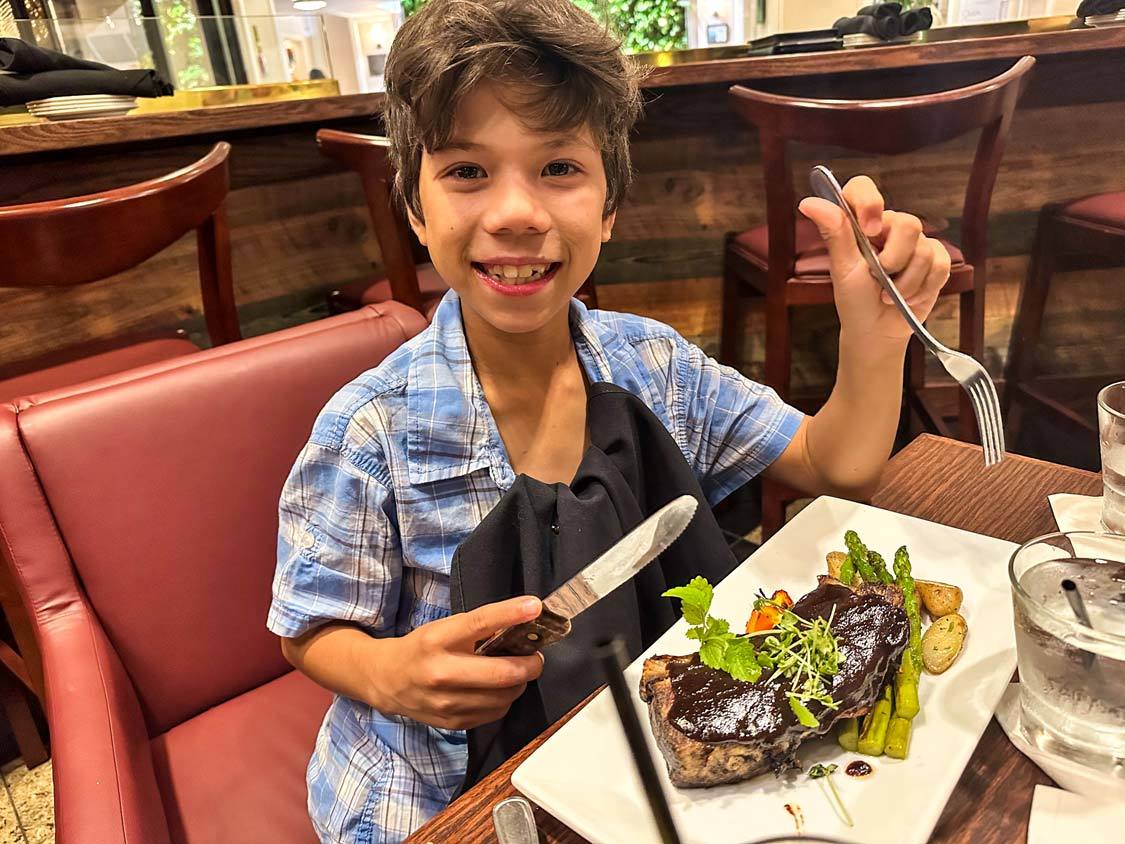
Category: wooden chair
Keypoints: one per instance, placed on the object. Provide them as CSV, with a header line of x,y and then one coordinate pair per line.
x,y
785,260
409,279
67,242
1083,233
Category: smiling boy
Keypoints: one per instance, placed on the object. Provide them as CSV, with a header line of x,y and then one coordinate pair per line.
x,y
509,121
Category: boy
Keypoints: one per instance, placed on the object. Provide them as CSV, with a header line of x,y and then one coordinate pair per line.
x,y
509,121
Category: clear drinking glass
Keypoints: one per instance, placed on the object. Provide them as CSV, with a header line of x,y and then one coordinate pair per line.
x,y
1072,677
1111,430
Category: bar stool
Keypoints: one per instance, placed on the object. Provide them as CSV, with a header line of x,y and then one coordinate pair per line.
x,y
1083,233
80,240
785,260
409,278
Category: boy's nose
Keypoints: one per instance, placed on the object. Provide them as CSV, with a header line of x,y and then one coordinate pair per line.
x,y
516,209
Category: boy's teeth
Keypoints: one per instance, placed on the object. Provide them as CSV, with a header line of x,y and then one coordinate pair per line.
x,y
516,274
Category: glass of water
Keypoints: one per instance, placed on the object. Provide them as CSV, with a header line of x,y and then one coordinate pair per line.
x,y
1072,676
1111,430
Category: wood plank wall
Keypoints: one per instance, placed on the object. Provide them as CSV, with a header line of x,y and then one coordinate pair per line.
x,y
299,226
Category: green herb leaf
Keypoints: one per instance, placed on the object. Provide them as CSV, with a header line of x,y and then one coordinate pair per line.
x,y
739,660
695,599
711,653
817,771
802,712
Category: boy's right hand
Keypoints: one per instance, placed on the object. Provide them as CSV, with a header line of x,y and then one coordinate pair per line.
x,y
439,681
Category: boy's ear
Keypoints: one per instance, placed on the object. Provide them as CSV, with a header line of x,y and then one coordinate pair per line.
x,y
418,226
607,225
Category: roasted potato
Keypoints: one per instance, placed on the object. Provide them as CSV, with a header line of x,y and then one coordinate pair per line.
x,y
939,599
942,642
835,563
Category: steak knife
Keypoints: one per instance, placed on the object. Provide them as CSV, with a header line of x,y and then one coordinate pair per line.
x,y
622,561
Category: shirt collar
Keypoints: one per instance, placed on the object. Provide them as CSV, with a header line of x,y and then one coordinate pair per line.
x,y
451,430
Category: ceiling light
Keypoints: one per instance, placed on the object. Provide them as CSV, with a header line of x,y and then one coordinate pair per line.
x,y
309,5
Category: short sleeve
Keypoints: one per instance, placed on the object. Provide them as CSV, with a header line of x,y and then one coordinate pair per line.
x,y
731,428
338,553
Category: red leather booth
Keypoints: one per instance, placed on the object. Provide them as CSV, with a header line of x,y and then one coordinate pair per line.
x,y
138,521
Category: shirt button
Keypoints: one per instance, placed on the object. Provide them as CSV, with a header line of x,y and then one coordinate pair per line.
x,y
555,528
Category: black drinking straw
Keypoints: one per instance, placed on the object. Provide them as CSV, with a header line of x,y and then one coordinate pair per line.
x,y
1078,607
611,655
1074,598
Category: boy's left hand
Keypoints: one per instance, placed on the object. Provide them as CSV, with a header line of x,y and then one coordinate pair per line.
x,y
918,264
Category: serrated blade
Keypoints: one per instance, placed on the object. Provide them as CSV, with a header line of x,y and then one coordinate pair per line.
x,y
624,559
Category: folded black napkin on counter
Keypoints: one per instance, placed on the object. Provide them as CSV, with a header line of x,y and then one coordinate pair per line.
x,y
1099,7
20,57
20,88
886,21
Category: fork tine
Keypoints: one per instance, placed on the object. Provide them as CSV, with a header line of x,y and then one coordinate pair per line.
x,y
984,420
985,402
998,416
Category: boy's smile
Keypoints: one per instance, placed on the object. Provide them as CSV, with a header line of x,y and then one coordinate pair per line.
x,y
514,217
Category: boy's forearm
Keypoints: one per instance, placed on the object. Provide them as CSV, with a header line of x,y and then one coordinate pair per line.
x,y
850,439
343,659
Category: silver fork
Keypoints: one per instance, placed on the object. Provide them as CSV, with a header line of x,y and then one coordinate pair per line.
x,y
972,377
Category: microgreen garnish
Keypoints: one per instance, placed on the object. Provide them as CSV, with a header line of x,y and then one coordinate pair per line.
x,y
825,772
806,654
803,652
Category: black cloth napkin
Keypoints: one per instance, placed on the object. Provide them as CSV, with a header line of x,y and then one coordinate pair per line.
x,y
17,89
20,57
1099,7
539,535
886,21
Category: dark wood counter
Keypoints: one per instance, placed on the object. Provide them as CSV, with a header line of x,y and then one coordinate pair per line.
x,y
954,45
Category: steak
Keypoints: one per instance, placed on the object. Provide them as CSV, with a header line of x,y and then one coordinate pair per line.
x,y
713,729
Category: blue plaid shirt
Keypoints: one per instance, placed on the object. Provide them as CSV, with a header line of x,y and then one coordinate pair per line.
x,y
403,463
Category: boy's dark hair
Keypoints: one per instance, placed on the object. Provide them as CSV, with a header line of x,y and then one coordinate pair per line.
x,y
558,68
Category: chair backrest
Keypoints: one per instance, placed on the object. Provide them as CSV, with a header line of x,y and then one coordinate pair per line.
x,y
368,156
889,127
151,497
66,242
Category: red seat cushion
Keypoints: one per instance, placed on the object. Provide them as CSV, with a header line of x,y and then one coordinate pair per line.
x,y
94,366
237,771
812,254
430,284
1106,209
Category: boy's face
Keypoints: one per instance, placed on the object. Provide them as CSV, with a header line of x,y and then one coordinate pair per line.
x,y
513,217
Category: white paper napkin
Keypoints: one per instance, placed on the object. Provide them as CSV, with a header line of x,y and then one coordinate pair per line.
x,y
1076,512
1095,785
1058,815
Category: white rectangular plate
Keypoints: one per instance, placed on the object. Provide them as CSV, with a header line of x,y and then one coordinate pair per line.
x,y
584,774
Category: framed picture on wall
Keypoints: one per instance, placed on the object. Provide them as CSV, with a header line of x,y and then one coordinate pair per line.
x,y
718,33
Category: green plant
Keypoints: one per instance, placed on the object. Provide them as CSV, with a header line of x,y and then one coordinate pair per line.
x,y
183,44
642,25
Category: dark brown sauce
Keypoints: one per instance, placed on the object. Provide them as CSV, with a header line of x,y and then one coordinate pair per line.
x,y
712,706
798,816
859,768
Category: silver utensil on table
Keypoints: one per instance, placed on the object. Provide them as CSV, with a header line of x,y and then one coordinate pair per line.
x,y
625,558
969,373
514,822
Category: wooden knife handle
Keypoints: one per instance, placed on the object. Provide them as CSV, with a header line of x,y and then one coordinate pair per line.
x,y
527,638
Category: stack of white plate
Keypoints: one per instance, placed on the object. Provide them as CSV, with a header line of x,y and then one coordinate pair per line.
x,y
862,39
1117,19
87,105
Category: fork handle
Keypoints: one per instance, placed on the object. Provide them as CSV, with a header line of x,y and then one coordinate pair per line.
x,y
825,186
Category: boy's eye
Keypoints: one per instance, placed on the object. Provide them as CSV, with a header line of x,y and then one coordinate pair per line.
x,y
467,171
559,168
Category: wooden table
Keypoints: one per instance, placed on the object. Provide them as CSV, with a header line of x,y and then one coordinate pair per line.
x,y
932,478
